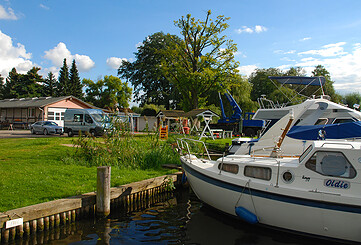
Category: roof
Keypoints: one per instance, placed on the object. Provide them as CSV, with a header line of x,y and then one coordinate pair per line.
x,y
171,113
314,81
36,102
200,112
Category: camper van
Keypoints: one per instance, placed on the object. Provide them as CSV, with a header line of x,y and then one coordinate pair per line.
x,y
92,121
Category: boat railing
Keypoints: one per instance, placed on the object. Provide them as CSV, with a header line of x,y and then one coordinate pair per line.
x,y
183,144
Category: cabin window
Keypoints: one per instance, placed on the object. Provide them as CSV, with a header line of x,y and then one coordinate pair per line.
x,y
31,112
343,120
227,167
305,153
330,163
78,118
262,173
321,121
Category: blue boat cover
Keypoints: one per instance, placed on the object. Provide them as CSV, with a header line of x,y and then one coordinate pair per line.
x,y
314,81
331,131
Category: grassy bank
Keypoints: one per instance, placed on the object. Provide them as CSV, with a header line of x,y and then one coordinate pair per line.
x,y
34,171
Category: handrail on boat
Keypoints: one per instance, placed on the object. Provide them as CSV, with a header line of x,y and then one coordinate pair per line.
x,y
184,141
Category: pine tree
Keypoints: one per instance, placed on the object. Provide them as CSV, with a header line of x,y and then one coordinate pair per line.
x,y
1,87
63,85
74,82
50,85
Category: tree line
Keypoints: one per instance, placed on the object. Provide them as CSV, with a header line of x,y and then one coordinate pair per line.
x,y
109,92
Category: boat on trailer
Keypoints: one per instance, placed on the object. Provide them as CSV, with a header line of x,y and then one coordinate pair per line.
x,y
317,193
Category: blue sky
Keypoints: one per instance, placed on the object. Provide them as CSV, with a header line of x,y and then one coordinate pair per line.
x,y
100,34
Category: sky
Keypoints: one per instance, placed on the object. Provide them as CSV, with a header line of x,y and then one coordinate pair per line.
x,y
100,34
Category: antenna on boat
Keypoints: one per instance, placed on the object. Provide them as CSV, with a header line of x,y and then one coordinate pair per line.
x,y
276,150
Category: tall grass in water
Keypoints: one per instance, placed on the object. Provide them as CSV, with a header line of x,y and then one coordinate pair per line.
x,y
120,148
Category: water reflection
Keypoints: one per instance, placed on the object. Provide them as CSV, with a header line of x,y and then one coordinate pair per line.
x,y
180,220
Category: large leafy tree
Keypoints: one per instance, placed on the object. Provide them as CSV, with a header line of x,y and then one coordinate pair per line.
x,y
64,84
145,74
328,87
352,99
76,87
201,60
261,84
109,92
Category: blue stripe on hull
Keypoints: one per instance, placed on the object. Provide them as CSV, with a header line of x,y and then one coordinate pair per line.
x,y
273,196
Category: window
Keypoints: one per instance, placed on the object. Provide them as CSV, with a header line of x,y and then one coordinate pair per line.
x,y
31,112
78,118
321,121
50,115
258,172
331,164
62,116
88,119
343,120
227,167
57,116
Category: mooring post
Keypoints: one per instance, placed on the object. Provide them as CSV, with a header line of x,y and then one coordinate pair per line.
x,y
103,191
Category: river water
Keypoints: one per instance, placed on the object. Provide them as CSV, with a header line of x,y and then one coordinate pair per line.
x,y
181,219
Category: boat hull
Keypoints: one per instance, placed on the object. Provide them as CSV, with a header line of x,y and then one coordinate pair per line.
x,y
296,213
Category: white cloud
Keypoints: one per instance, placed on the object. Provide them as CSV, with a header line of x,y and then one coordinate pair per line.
x,y
305,39
344,67
44,7
13,56
284,52
115,62
7,14
247,70
58,53
256,29
334,49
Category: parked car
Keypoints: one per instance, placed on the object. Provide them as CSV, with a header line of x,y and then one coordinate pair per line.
x,y
46,127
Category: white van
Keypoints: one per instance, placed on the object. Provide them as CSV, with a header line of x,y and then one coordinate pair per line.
x,y
92,121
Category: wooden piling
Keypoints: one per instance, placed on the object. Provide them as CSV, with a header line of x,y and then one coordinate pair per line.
x,y
103,191
27,228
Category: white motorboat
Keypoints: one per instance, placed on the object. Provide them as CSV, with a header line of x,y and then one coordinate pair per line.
x,y
314,118
317,193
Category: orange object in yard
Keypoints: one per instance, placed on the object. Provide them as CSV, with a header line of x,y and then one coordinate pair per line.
x,y
186,130
163,132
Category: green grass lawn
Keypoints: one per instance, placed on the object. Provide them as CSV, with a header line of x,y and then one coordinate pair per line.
x,y
33,171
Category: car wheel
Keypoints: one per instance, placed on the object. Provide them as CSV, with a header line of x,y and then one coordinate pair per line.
x,y
92,133
45,132
70,133
33,131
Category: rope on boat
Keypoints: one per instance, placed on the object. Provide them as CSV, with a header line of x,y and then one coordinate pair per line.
x,y
249,189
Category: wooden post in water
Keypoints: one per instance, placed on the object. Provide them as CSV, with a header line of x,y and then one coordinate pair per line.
x,y
103,191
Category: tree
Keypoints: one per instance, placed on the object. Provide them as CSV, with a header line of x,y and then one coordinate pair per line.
x,y
76,88
328,87
261,84
21,86
145,73
201,60
109,92
1,87
64,86
352,98
50,85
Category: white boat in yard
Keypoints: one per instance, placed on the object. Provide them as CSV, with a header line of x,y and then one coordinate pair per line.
x,y
313,190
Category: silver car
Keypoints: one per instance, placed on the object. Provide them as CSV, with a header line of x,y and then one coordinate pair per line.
x,y
46,127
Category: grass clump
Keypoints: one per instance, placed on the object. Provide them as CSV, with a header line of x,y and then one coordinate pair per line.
x,y
119,148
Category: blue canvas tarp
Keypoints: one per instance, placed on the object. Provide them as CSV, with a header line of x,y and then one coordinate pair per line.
x,y
314,81
332,131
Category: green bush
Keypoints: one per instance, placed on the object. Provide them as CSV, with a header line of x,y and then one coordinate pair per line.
x,y
120,148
